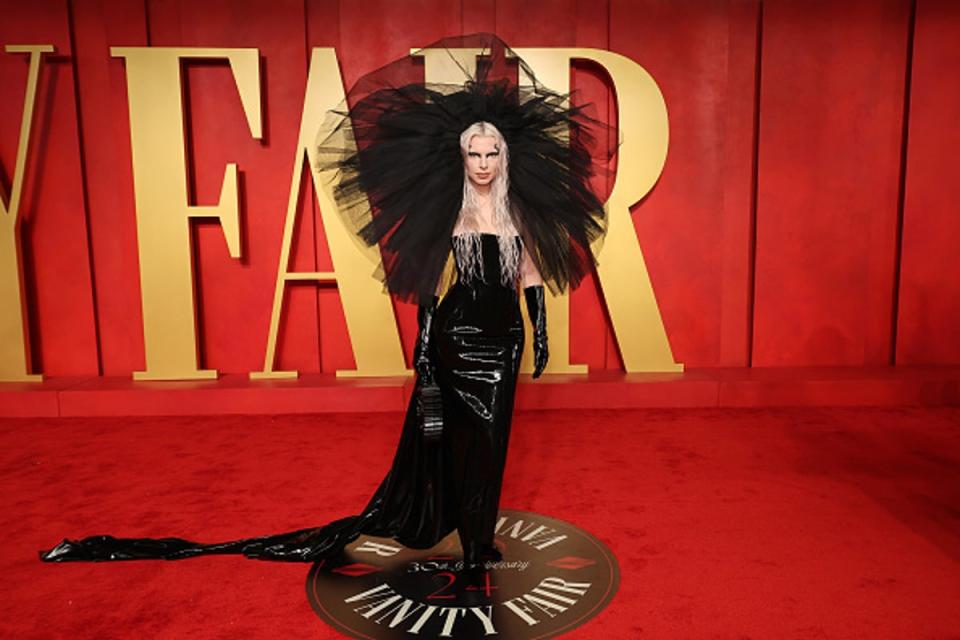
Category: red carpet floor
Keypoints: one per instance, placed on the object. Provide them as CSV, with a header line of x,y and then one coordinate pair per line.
x,y
727,524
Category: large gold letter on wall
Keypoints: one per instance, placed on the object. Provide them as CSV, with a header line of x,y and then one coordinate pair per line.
x,y
627,290
622,269
13,334
160,188
368,311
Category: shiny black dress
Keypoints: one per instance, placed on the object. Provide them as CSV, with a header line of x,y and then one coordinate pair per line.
x,y
432,487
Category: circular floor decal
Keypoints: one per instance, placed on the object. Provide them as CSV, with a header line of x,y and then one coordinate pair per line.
x,y
553,577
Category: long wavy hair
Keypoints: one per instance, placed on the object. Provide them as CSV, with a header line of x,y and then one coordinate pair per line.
x,y
466,232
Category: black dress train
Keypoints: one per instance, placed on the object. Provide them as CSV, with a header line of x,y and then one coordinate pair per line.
x,y
432,487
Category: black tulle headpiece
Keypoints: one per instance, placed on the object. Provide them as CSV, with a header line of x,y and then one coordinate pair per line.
x,y
394,148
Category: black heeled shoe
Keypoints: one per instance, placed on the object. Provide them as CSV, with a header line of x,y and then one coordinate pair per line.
x,y
475,555
490,552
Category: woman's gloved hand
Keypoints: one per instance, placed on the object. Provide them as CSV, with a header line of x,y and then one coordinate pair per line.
x,y
422,358
537,308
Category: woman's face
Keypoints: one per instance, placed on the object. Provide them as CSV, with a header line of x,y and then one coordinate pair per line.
x,y
483,160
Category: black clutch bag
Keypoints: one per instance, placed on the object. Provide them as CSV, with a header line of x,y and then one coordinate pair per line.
x,y
431,411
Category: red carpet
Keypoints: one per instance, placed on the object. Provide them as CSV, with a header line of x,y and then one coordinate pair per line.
x,y
751,523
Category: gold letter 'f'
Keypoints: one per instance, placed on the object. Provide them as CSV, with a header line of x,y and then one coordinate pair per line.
x,y
160,190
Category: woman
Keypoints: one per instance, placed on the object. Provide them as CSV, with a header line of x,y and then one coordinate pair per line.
x,y
479,338
494,175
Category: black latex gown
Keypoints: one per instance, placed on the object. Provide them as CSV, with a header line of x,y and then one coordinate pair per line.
x,y
431,488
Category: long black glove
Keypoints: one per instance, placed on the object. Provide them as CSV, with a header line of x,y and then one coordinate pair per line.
x,y
537,308
422,357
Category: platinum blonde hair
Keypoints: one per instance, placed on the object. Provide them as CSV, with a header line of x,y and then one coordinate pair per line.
x,y
466,231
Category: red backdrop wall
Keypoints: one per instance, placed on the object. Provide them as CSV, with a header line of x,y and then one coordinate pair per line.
x,y
806,214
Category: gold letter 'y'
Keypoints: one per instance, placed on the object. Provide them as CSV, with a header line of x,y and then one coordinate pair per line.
x,y
13,344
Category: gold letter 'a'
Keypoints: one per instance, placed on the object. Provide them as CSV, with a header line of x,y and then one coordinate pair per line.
x,y
368,312
160,189
622,269
13,343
